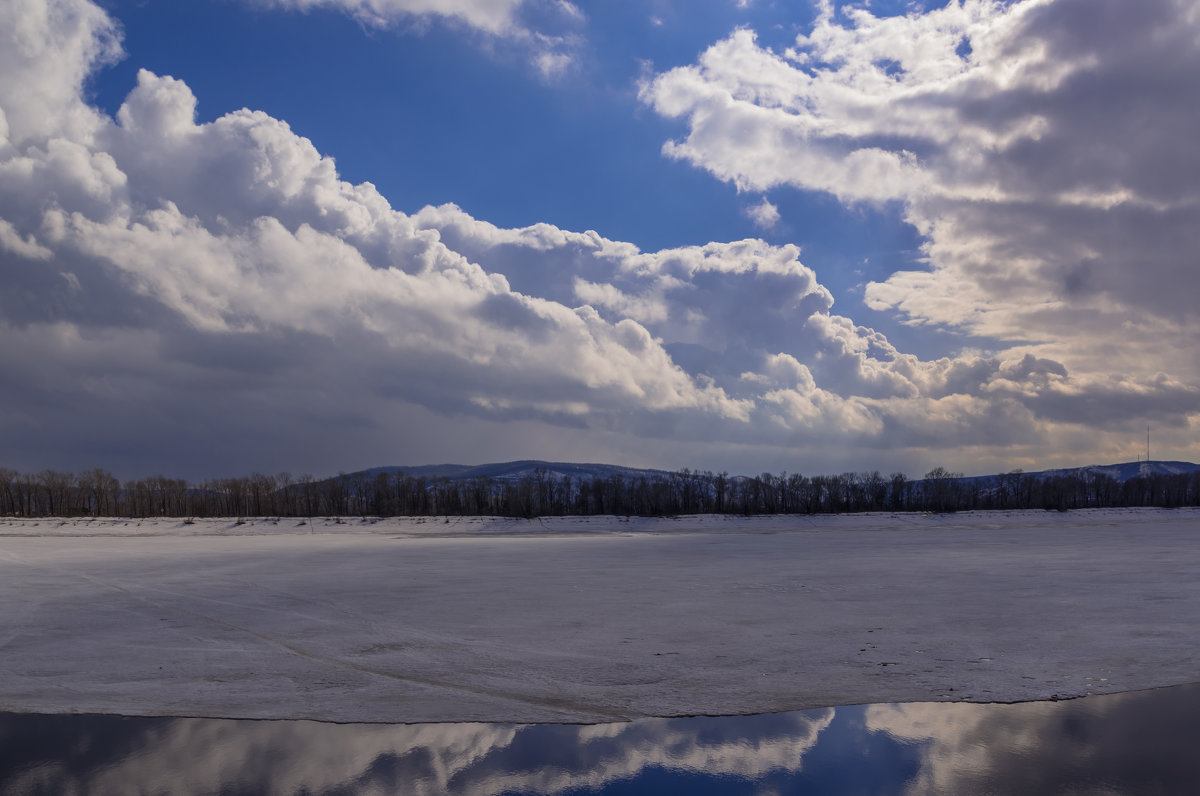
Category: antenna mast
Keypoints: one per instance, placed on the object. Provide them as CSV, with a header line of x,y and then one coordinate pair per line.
x,y
1147,442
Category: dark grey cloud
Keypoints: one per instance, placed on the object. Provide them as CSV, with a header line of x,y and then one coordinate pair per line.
x,y
1049,167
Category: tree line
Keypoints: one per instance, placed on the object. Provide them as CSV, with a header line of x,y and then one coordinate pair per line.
x,y
97,493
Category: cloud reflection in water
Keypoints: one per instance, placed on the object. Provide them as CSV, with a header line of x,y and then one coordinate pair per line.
x,y
102,755
1136,743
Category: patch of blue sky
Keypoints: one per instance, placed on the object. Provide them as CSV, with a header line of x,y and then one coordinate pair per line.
x,y
432,113
431,117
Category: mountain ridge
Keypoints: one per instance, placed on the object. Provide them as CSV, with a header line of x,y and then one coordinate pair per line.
x,y
521,468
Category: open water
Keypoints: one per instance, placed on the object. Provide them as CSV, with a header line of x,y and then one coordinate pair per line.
x,y
1135,743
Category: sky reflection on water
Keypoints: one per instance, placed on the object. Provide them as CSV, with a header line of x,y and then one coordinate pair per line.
x,y
1124,743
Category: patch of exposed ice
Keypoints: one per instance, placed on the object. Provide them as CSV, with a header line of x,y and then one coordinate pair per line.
x,y
590,619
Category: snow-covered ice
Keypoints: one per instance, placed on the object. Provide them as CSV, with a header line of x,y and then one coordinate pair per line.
x,y
591,619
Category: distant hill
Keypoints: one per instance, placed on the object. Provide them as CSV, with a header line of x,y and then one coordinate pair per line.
x,y
1118,472
1123,472
515,471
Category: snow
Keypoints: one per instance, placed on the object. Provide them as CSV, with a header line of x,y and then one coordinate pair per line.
x,y
590,619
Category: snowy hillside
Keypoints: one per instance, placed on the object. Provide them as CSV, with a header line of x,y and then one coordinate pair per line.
x,y
514,471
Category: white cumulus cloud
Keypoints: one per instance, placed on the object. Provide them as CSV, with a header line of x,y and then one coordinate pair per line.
x,y
1041,147
764,214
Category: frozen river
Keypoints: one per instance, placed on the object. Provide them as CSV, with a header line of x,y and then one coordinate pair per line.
x,y
591,619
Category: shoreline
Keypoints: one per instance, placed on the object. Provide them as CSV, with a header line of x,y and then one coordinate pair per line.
x,y
1053,700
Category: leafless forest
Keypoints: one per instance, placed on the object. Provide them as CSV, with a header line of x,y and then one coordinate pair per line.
x,y
98,493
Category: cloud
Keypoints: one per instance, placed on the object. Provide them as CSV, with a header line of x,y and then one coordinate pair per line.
x,y
1042,148
68,40
213,291
295,249
513,21
764,214
492,16
26,247
755,319
195,243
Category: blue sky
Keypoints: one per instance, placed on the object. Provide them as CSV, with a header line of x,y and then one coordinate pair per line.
x,y
729,235
580,152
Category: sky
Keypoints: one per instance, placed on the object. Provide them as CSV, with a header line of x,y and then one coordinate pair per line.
x,y
746,235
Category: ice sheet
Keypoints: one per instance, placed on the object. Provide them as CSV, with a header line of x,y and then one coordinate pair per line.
x,y
591,619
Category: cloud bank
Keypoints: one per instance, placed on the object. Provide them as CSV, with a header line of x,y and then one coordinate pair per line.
x,y
216,291
1040,147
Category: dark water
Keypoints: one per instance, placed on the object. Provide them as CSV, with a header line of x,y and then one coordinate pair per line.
x,y
1140,743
